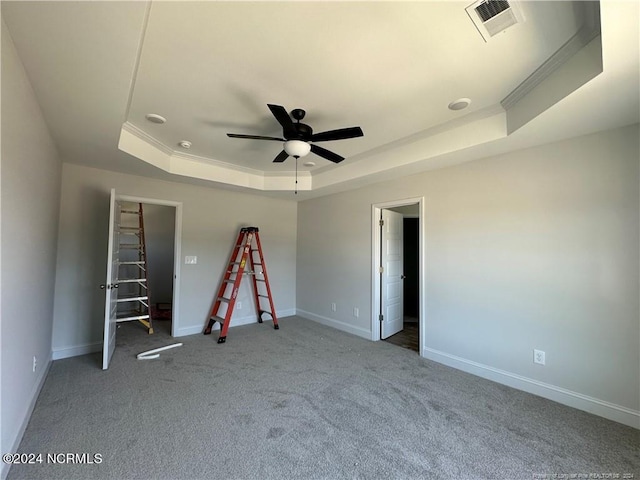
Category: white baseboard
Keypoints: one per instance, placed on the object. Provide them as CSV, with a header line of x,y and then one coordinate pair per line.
x,y
286,313
4,470
236,321
330,322
602,408
66,352
193,330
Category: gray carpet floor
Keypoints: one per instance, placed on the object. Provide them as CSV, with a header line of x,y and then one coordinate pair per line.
x,y
305,402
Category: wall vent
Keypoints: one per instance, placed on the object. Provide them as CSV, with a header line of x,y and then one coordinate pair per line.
x,y
494,16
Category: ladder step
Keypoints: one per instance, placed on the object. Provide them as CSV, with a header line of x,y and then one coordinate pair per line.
x,y
139,264
216,318
222,299
130,319
136,212
125,227
132,280
132,299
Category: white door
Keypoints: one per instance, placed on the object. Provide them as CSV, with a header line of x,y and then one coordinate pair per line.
x,y
391,260
111,285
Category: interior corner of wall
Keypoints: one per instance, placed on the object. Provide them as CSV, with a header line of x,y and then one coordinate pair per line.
x,y
554,81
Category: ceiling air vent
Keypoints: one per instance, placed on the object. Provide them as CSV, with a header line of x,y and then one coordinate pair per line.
x,y
494,16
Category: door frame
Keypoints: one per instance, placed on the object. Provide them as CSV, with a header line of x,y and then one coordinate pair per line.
x,y
376,243
177,248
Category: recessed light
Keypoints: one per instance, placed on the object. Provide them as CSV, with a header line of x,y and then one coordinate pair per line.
x,y
459,104
309,164
154,118
185,144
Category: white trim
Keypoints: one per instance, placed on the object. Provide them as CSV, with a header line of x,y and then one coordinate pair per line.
x,y
330,322
286,313
177,255
178,155
589,30
145,137
235,322
177,252
185,331
139,144
376,209
605,409
4,470
76,350
150,201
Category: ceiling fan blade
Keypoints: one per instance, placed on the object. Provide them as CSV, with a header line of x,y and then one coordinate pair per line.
x,y
254,137
283,118
340,134
324,153
282,156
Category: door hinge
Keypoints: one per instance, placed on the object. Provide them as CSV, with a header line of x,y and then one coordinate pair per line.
x,y
381,317
380,269
381,222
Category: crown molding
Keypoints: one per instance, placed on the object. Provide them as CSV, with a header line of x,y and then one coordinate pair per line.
x,y
589,30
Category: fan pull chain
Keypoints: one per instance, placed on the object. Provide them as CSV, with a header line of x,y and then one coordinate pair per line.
x,y
296,189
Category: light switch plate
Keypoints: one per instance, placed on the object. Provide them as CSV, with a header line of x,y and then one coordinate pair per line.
x,y
190,259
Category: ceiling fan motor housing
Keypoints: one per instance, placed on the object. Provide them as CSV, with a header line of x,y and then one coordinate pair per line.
x,y
303,130
298,114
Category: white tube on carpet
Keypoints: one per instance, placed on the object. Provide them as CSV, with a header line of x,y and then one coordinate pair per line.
x,y
149,354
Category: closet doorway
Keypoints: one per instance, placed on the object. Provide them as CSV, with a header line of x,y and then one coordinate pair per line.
x,y
398,273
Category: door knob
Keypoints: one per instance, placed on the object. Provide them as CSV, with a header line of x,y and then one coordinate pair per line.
x,y
402,277
102,286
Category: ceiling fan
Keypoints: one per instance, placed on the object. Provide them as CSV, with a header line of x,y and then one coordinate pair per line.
x,y
298,137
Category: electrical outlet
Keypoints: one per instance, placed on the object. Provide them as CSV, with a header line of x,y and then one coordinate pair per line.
x,y
35,363
539,357
239,305
333,307
356,312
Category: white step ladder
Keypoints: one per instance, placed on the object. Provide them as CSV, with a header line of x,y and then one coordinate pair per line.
x,y
133,286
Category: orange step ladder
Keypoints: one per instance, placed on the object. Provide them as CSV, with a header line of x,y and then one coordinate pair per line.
x,y
227,293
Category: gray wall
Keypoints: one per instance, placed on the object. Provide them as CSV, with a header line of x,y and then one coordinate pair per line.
x,y
533,249
29,202
210,225
159,228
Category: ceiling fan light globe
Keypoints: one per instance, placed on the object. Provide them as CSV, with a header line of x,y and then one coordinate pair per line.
x,y
297,148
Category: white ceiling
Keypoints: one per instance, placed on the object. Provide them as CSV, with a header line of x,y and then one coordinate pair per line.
x,y
390,67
